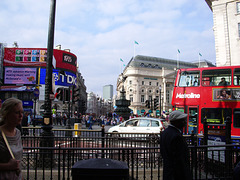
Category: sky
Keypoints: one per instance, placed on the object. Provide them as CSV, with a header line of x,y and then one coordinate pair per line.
x,y
101,32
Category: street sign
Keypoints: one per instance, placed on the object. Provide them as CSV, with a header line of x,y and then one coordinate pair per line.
x,y
36,92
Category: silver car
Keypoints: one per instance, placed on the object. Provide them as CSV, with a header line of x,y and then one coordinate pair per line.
x,y
140,125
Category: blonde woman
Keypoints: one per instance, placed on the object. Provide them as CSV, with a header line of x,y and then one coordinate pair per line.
x,y
11,116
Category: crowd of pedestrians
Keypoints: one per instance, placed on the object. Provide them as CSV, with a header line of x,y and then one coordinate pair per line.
x,y
110,119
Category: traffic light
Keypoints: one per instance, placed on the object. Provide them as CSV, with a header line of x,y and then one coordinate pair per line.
x,y
59,94
147,102
155,104
75,94
66,95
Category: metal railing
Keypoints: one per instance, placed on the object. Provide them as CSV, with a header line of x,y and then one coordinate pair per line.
x,y
140,151
56,163
143,163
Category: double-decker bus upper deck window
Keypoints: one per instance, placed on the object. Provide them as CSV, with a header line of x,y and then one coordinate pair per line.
x,y
236,75
189,78
236,118
217,77
215,115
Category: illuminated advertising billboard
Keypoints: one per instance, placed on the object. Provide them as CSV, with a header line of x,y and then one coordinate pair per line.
x,y
66,79
38,57
20,75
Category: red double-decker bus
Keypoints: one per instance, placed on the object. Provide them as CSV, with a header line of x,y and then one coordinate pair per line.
x,y
212,93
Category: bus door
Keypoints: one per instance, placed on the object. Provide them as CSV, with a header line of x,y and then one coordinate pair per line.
x,y
192,120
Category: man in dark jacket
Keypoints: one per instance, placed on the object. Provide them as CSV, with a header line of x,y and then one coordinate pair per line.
x,y
174,149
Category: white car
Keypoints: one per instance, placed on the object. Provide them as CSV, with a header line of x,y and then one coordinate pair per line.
x,y
140,125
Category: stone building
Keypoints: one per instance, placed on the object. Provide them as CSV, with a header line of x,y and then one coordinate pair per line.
x,y
145,76
226,26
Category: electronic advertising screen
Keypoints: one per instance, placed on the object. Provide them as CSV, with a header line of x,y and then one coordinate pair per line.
x,y
37,57
20,75
66,79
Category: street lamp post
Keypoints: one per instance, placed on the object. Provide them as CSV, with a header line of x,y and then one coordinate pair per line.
x,y
47,139
70,104
160,100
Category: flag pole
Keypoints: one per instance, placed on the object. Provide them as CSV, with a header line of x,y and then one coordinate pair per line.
x,y
199,60
134,50
120,68
199,55
121,64
135,42
178,59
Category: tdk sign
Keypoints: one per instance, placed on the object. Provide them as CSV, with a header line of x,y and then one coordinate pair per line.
x,y
65,79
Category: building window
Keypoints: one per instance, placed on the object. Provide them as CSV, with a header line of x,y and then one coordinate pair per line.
x,y
157,83
157,91
150,83
238,7
238,29
149,97
130,90
142,99
143,90
130,82
168,96
131,97
142,82
150,91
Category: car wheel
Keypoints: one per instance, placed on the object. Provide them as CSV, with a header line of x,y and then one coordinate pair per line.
x,y
153,139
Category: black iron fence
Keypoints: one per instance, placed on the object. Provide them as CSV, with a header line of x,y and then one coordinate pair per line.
x,y
141,152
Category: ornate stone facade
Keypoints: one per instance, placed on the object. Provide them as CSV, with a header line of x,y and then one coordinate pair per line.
x,y
144,75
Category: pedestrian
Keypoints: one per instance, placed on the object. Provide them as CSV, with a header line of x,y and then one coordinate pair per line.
x,y
90,121
54,116
174,149
64,119
59,119
236,170
10,139
30,117
25,124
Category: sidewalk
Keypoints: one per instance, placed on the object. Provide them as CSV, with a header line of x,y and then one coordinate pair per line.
x,y
94,127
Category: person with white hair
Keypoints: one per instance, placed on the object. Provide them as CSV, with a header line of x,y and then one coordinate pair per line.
x,y
174,149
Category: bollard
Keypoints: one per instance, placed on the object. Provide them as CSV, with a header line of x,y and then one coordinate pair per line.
x,y
77,126
100,169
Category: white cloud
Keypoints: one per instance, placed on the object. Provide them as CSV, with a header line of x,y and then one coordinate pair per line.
x,y
100,32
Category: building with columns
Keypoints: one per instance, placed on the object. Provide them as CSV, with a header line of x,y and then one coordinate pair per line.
x,y
226,26
144,76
